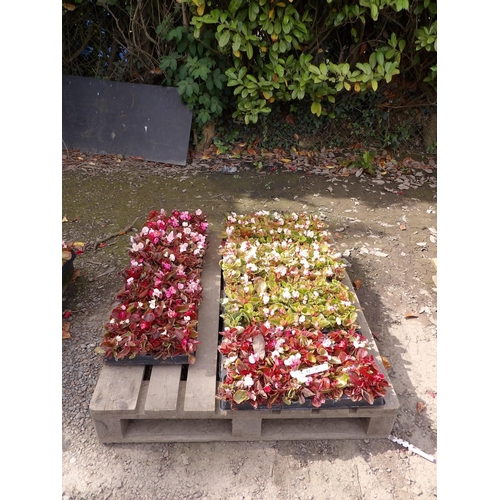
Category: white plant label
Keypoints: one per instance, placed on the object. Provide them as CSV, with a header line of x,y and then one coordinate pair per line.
x,y
314,369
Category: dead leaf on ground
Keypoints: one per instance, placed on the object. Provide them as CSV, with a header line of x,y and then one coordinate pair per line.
x,y
402,227
386,362
339,236
65,330
376,335
410,314
432,394
357,284
420,406
64,219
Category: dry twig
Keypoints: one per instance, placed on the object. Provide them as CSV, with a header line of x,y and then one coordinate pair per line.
x,y
125,230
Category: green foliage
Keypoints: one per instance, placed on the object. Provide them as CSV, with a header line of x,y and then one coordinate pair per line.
x,y
287,51
195,72
366,162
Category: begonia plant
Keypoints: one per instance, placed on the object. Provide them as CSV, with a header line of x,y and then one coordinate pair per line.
x,y
273,366
283,285
157,308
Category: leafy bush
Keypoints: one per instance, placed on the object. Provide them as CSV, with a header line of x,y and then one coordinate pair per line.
x,y
289,51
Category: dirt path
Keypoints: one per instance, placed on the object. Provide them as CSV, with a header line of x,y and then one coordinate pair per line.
x,y
386,228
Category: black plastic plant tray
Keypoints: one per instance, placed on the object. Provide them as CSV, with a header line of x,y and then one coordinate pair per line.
x,y
148,360
344,402
67,268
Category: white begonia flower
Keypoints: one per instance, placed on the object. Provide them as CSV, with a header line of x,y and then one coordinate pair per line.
x,y
339,321
357,343
286,294
297,374
302,319
152,303
248,381
265,299
118,338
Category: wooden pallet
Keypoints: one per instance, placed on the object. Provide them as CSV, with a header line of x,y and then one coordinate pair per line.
x,y
163,403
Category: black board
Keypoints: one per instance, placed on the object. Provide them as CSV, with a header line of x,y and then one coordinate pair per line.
x,y
100,116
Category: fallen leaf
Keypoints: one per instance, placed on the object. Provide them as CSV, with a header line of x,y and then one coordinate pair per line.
x,y
402,227
64,219
69,6
65,330
432,394
339,236
376,335
76,274
285,160
410,314
67,314
103,245
296,137
386,362
66,254
356,283
420,406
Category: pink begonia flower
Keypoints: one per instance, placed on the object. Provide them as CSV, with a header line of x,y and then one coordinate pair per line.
x,y
137,246
198,212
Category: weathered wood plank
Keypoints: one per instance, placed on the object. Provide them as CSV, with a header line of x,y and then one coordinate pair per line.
x,y
117,389
202,376
163,389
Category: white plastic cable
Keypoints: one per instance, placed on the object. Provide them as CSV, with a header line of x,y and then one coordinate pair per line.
x,y
412,448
